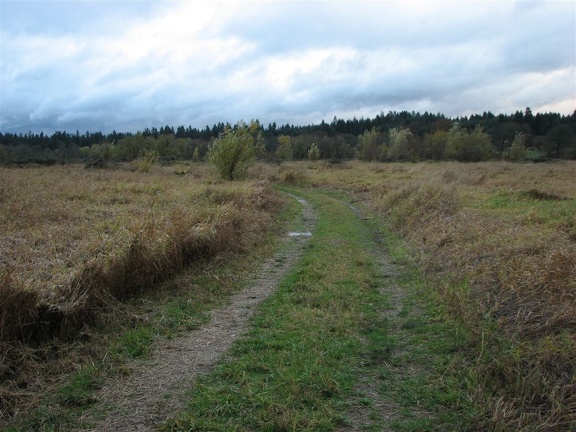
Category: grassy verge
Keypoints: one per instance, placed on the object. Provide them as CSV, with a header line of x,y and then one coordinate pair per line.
x,y
311,342
75,243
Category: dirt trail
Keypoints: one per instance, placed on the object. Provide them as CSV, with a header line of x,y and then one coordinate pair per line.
x,y
155,392
381,412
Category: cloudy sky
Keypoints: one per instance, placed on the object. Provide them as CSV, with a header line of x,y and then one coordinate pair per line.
x,y
103,65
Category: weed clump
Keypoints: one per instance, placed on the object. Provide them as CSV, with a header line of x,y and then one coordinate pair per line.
x,y
17,308
535,194
518,303
148,253
293,177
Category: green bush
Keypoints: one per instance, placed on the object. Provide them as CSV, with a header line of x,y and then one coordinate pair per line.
x,y
147,160
465,146
235,149
314,152
517,151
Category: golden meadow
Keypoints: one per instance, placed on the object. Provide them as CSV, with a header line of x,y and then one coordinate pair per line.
x,y
496,242
75,240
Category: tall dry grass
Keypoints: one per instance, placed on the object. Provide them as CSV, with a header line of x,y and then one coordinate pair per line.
x,y
76,242
498,243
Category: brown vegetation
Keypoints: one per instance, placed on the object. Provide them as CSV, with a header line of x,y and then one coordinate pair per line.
x,y
77,242
498,242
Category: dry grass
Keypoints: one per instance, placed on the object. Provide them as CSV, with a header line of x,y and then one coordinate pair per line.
x,y
498,240
77,242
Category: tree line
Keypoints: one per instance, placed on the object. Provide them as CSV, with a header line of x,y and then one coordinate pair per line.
x,y
394,136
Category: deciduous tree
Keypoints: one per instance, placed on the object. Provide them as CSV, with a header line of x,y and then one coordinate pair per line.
x,y
435,145
475,146
369,144
399,143
314,152
517,150
284,150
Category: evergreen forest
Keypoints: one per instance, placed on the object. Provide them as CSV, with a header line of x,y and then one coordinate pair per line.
x,y
395,136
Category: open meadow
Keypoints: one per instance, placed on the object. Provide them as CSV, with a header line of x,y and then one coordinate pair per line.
x,y
495,242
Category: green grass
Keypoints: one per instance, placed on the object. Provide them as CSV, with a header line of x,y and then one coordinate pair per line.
x,y
62,409
321,332
419,364
135,342
296,366
78,392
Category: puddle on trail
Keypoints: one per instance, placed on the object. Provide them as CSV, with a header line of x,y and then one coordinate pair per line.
x,y
296,233
300,234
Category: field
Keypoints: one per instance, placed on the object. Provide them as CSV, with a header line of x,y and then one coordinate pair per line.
x,y
495,242
76,243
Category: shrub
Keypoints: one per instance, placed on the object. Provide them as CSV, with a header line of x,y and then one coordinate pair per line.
x,y
517,151
235,149
462,146
147,160
314,152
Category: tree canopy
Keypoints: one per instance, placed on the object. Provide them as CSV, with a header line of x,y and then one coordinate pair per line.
x,y
392,136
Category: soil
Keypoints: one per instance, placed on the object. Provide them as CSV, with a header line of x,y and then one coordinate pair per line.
x,y
155,391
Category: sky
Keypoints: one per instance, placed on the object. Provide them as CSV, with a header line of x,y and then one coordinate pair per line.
x,y
127,65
